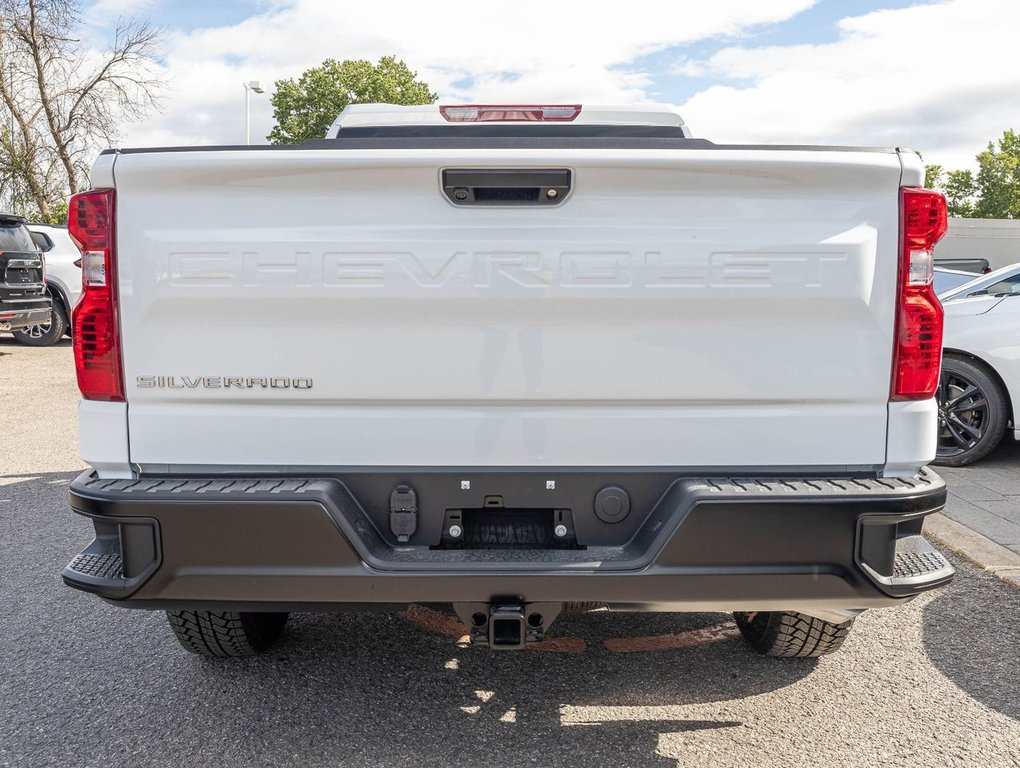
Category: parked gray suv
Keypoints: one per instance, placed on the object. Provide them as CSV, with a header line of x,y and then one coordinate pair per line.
x,y
23,298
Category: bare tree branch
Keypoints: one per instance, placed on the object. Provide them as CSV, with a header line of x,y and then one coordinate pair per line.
x,y
65,100
37,43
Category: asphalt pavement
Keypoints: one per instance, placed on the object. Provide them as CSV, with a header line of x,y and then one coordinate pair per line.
x,y
82,683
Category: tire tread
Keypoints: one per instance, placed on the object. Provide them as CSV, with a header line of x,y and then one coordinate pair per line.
x,y
792,635
225,634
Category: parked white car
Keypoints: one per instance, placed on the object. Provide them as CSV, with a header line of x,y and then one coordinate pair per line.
x,y
945,280
63,284
980,383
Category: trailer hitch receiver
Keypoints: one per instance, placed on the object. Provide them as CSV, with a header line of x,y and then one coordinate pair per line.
x,y
506,627
507,624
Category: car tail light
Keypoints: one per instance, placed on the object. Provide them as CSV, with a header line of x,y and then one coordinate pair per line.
x,y
494,113
97,353
918,349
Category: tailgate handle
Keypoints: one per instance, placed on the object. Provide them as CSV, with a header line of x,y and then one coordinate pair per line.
x,y
506,186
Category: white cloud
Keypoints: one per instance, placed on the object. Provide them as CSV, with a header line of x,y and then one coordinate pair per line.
x,y
940,78
527,51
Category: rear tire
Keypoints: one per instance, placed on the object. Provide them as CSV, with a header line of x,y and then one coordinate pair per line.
x,y
791,634
45,334
226,634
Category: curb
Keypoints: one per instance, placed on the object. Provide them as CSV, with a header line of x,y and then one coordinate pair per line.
x,y
994,558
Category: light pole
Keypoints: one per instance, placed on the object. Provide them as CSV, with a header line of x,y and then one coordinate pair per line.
x,y
250,86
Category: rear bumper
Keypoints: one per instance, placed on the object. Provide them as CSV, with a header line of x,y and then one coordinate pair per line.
x,y
13,319
706,544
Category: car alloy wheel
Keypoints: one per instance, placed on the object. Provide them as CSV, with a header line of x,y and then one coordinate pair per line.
x,y
36,331
963,414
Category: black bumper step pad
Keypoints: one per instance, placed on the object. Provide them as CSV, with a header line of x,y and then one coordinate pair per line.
x,y
107,567
124,554
911,562
917,560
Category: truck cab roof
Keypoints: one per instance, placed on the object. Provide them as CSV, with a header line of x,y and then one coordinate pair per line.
x,y
520,116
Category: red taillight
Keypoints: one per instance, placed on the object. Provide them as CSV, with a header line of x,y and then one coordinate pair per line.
x,y
494,113
918,349
96,330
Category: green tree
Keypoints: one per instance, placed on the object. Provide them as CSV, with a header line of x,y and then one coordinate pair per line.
x,y
998,179
305,109
933,176
960,189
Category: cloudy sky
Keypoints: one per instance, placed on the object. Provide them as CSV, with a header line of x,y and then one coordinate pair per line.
x,y
941,77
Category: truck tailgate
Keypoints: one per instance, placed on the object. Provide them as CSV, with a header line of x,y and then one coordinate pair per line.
x,y
697,308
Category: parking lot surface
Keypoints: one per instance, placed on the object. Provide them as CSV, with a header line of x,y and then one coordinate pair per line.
x,y
83,683
986,497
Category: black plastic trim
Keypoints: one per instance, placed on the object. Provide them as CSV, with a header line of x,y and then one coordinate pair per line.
x,y
283,541
901,497
510,130
114,538
897,533
57,291
506,186
25,317
47,243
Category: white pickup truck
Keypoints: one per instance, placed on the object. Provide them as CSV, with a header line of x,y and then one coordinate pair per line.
x,y
518,359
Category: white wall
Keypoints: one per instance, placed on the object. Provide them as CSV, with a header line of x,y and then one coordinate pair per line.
x,y
997,240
